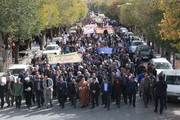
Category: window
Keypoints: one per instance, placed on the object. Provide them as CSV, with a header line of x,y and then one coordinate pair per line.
x,y
161,65
50,48
173,80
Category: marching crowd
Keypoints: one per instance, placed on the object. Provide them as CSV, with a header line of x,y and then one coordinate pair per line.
x,y
111,77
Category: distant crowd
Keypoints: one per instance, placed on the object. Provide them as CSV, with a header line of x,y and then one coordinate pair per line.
x,y
99,79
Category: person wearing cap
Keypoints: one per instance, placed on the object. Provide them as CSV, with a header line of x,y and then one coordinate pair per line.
x,y
28,88
48,89
106,89
2,92
132,88
18,90
94,91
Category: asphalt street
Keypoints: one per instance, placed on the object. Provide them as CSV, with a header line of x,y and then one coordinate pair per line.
x,y
125,112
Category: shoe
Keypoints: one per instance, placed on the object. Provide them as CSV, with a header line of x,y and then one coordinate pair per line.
x,y
145,106
118,106
134,105
108,109
92,107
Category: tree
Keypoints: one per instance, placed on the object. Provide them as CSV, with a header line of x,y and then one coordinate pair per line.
x,y
170,23
17,20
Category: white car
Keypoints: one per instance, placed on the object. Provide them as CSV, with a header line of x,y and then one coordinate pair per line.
x,y
3,77
56,39
161,64
15,70
172,78
134,44
52,49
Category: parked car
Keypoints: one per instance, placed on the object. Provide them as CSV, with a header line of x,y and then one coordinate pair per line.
x,y
135,38
172,78
161,64
56,40
3,77
52,49
134,44
144,52
15,70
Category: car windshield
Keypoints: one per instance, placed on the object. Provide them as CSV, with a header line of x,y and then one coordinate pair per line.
x,y
15,71
50,48
161,65
145,48
137,43
55,40
173,80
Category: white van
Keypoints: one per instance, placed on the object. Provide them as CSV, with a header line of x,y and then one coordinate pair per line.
x,y
15,70
172,78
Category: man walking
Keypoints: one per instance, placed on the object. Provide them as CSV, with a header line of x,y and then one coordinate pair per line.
x,y
18,90
94,90
106,89
62,91
48,89
145,89
160,93
2,92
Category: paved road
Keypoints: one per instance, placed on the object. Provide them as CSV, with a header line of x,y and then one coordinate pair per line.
x,y
126,112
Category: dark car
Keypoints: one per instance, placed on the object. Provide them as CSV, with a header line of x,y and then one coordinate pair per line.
x,y
144,52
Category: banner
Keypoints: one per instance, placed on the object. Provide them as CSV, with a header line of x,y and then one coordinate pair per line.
x,y
105,50
89,29
65,58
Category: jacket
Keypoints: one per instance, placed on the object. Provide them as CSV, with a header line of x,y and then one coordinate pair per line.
x,y
18,89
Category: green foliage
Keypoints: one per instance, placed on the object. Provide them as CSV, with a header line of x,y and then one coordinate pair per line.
x,y
23,18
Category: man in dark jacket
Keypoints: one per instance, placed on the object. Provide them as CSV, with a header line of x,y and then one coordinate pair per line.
x,y
38,88
132,88
72,88
117,90
2,92
62,91
94,90
160,92
28,88
106,89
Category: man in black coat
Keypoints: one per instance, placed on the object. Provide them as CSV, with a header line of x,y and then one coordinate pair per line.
x,y
62,91
28,88
38,88
117,90
94,90
2,92
72,88
106,89
160,92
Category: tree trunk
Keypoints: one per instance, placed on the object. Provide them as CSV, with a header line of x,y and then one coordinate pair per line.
x,y
162,51
5,37
42,41
17,52
51,34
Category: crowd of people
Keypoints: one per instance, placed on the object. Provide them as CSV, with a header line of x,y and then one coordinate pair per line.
x,y
117,77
